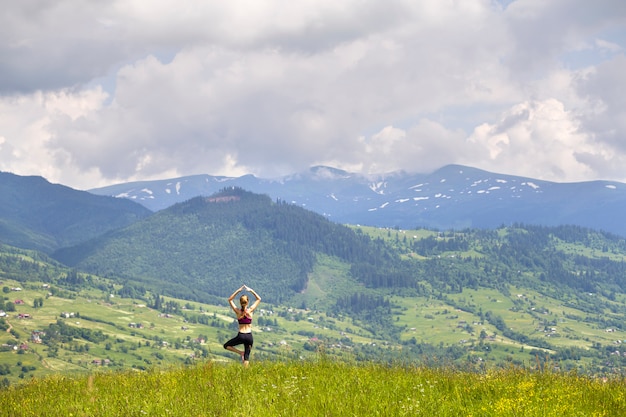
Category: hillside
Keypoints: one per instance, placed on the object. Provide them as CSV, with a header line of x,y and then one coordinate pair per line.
x,y
35,214
203,247
468,307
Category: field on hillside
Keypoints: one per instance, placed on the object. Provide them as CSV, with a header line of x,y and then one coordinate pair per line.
x,y
317,388
80,324
123,333
563,318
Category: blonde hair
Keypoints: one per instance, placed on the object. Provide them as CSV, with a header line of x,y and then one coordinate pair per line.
x,y
243,301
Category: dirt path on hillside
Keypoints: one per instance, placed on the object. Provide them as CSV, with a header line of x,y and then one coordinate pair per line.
x,y
10,327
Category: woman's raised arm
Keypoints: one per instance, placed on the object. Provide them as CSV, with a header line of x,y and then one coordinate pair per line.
x,y
232,297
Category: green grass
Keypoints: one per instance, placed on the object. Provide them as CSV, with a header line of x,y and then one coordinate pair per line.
x,y
316,388
330,277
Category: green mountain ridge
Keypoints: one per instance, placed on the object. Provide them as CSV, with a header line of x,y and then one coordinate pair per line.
x,y
36,214
205,246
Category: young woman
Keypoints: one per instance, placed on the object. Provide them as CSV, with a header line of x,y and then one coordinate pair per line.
x,y
244,317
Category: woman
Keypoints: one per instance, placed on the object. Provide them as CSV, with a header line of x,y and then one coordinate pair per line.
x,y
244,317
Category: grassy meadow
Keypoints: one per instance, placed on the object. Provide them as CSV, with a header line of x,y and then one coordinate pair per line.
x,y
316,388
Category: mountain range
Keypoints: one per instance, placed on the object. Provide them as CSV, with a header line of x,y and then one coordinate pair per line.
x,y
453,197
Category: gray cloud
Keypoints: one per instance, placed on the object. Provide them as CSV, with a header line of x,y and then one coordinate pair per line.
x,y
124,90
542,32
604,120
48,45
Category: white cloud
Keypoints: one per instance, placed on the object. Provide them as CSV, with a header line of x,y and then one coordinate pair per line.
x,y
124,90
25,122
426,146
540,139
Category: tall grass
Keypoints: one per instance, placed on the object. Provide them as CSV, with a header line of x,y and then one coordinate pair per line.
x,y
316,388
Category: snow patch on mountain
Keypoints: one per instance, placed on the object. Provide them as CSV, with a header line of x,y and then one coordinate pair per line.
x,y
378,187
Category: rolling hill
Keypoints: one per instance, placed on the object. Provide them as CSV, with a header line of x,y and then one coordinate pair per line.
x,y
202,247
36,214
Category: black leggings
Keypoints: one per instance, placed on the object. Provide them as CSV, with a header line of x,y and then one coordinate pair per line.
x,y
244,339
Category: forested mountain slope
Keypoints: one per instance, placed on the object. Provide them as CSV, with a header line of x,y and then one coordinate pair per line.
x,y
205,246
551,259
35,214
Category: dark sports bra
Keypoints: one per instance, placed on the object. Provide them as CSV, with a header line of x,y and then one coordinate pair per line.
x,y
244,320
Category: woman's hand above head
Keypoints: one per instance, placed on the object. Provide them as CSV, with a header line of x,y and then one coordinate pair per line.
x,y
256,302
234,294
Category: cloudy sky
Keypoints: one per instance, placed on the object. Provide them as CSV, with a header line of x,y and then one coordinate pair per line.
x,y
95,92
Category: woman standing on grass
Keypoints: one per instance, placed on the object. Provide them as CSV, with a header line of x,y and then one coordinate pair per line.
x,y
244,317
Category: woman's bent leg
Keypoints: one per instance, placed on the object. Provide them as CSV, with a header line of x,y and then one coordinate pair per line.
x,y
230,345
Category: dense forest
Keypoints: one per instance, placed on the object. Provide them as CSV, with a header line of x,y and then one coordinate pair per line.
x,y
523,254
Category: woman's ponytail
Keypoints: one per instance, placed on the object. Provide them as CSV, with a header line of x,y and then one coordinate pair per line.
x,y
243,302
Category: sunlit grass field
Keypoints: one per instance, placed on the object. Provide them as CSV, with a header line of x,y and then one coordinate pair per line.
x,y
316,388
